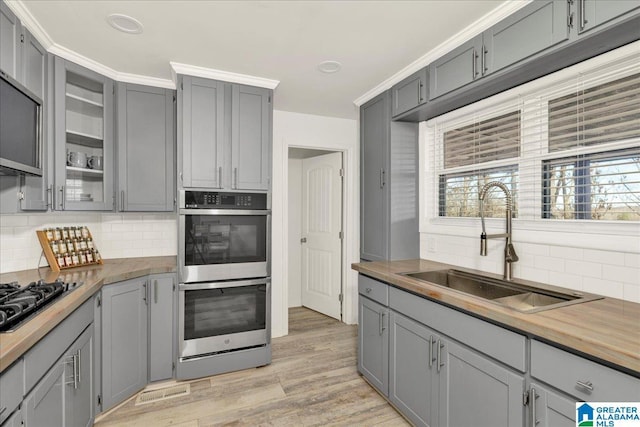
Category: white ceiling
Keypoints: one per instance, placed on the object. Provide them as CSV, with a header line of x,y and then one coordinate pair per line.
x,y
280,40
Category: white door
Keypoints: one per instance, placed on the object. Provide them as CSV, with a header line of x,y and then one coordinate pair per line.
x,y
321,227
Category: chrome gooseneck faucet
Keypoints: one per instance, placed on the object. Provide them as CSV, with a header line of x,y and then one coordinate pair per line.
x,y
510,255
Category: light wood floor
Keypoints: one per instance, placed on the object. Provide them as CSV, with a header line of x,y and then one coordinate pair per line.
x,y
312,381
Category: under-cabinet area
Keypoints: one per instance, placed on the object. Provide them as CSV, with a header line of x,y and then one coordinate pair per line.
x,y
439,366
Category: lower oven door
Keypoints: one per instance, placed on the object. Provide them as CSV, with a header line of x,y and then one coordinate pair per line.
x,y
222,316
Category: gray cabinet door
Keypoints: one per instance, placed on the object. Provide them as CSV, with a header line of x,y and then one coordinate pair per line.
x,y
413,370
374,175
10,42
202,120
145,132
34,195
84,122
124,340
537,27
161,327
596,13
410,92
373,336
455,69
551,409
44,406
476,391
79,392
14,420
250,138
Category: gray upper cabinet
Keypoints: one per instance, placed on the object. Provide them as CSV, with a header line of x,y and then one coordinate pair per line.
x,y
373,337
161,326
201,132
250,138
145,133
456,68
25,60
533,29
410,92
84,129
10,42
596,13
224,135
124,340
388,171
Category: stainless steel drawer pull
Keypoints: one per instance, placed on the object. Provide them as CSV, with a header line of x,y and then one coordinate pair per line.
x,y
432,341
155,291
534,417
439,357
588,385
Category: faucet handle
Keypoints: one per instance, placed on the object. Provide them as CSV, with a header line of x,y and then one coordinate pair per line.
x,y
510,254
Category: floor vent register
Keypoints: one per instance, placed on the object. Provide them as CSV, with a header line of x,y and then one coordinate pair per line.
x,y
163,394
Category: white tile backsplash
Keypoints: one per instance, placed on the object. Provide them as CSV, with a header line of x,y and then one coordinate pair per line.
x,y
115,235
611,273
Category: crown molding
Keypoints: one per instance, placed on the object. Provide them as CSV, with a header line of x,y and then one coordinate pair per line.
x,y
487,21
28,20
209,73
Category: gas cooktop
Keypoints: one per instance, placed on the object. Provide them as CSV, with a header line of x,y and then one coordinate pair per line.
x,y
19,303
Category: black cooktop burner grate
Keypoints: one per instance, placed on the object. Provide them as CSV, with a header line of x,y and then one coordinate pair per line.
x,y
18,303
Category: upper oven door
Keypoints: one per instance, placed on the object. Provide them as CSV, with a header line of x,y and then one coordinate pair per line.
x,y
221,244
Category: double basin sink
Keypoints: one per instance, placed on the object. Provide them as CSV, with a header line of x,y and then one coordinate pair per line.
x,y
518,296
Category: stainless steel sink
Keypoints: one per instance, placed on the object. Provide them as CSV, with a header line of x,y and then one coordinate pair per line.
x,y
518,296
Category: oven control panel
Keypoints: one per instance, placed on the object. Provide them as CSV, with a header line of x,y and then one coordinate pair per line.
x,y
220,200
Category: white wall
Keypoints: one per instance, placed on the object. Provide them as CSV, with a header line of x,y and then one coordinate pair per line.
x,y
115,235
309,131
295,232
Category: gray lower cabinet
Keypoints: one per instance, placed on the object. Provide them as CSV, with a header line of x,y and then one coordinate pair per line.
x,y
63,397
224,135
11,390
161,326
373,348
124,340
600,13
410,92
413,370
551,409
44,406
388,184
474,390
145,140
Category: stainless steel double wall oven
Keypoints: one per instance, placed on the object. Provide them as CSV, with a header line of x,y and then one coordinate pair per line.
x,y
225,285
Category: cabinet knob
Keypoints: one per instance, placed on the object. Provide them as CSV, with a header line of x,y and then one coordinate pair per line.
x,y
368,290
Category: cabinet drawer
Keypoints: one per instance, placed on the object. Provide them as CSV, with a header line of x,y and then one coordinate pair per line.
x,y
373,289
42,356
566,371
506,346
11,389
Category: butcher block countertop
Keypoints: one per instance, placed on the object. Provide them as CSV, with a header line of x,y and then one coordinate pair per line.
x,y
607,330
15,344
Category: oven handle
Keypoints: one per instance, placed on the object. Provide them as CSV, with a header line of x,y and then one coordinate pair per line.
x,y
264,212
221,285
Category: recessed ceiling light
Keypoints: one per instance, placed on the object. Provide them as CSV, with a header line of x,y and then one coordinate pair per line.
x,y
125,23
329,67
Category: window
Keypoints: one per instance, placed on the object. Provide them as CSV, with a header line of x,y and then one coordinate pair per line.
x,y
469,151
566,145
